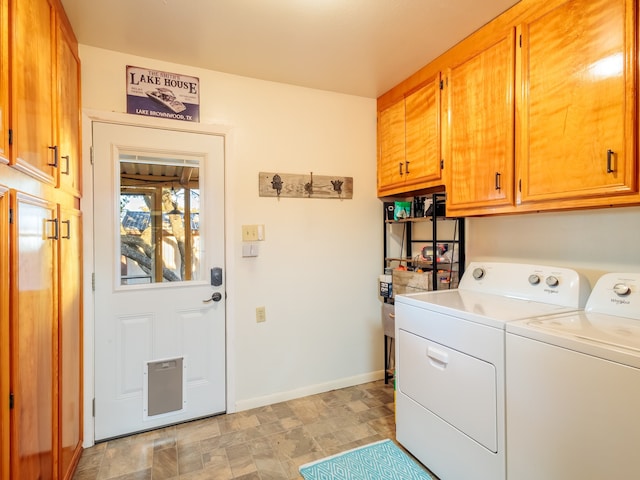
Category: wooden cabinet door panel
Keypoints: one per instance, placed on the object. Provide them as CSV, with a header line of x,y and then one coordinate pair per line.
x,y
4,81
578,101
480,138
422,133
70,341
391,145
68,103
33,330
32,89
4,332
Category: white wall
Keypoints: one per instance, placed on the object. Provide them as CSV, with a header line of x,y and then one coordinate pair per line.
x,y
593,242
317,270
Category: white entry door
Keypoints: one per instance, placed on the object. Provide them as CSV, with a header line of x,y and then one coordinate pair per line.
x,y
159,277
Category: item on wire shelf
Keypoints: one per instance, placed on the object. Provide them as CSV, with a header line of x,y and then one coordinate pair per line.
x,y
418,207
386,286
439,208
389,210
402,210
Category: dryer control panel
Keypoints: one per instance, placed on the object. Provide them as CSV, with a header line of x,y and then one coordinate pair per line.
x,y
538,283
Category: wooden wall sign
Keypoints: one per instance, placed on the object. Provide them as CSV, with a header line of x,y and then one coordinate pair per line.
x,y
304,185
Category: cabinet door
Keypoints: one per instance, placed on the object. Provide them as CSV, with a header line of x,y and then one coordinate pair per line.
x,y
4,81
4,332
480,158
578,101
32,89
33,329
70,341
391,145
422,134
68,107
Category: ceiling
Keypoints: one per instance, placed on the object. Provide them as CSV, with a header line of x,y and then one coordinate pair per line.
x,y
356,47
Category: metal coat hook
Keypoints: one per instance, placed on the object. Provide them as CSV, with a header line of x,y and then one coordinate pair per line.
x,y
308,187
276,183
337,186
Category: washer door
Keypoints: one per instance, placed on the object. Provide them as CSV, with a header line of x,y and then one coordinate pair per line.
x,y
458,388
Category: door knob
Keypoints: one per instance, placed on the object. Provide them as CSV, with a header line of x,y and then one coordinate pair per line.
x,y
215,297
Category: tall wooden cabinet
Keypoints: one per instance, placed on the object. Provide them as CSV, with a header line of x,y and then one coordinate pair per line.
x,y
4,241
40,243
45,338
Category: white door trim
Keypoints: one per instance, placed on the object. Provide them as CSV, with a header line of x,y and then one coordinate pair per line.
x,y
86,206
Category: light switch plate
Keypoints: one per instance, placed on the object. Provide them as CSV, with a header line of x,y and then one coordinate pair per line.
x,y
249,250
249,233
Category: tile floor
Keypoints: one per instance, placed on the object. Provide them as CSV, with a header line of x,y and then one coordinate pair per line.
x,y
267,443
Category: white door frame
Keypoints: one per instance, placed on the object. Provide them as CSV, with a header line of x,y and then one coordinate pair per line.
x,y
86,206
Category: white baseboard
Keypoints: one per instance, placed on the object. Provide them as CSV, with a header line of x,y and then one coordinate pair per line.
x,y
256,402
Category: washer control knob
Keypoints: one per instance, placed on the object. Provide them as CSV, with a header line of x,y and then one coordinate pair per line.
x,y
534,279
478,273
552,281
621,289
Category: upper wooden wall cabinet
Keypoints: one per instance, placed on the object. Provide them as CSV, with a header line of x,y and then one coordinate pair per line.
x,y
409,140
479,152
45,83
541,109
577,104
68,110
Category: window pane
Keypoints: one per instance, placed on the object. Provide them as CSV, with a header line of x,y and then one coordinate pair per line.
x,y
156,243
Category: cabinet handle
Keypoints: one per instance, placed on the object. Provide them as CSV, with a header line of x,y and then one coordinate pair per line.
x,y
66,157
68,235
400,166
406,170
497,180
55,229
55,156
610,154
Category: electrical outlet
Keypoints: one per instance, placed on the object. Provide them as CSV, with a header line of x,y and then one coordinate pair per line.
x,y
261,314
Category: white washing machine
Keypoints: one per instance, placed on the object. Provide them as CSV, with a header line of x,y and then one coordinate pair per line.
x,y
450,352
573,389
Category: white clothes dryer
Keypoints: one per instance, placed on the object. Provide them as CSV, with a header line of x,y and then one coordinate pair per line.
x,y
450,362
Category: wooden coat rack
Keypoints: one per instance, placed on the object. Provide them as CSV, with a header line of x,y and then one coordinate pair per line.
x,y
295,185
